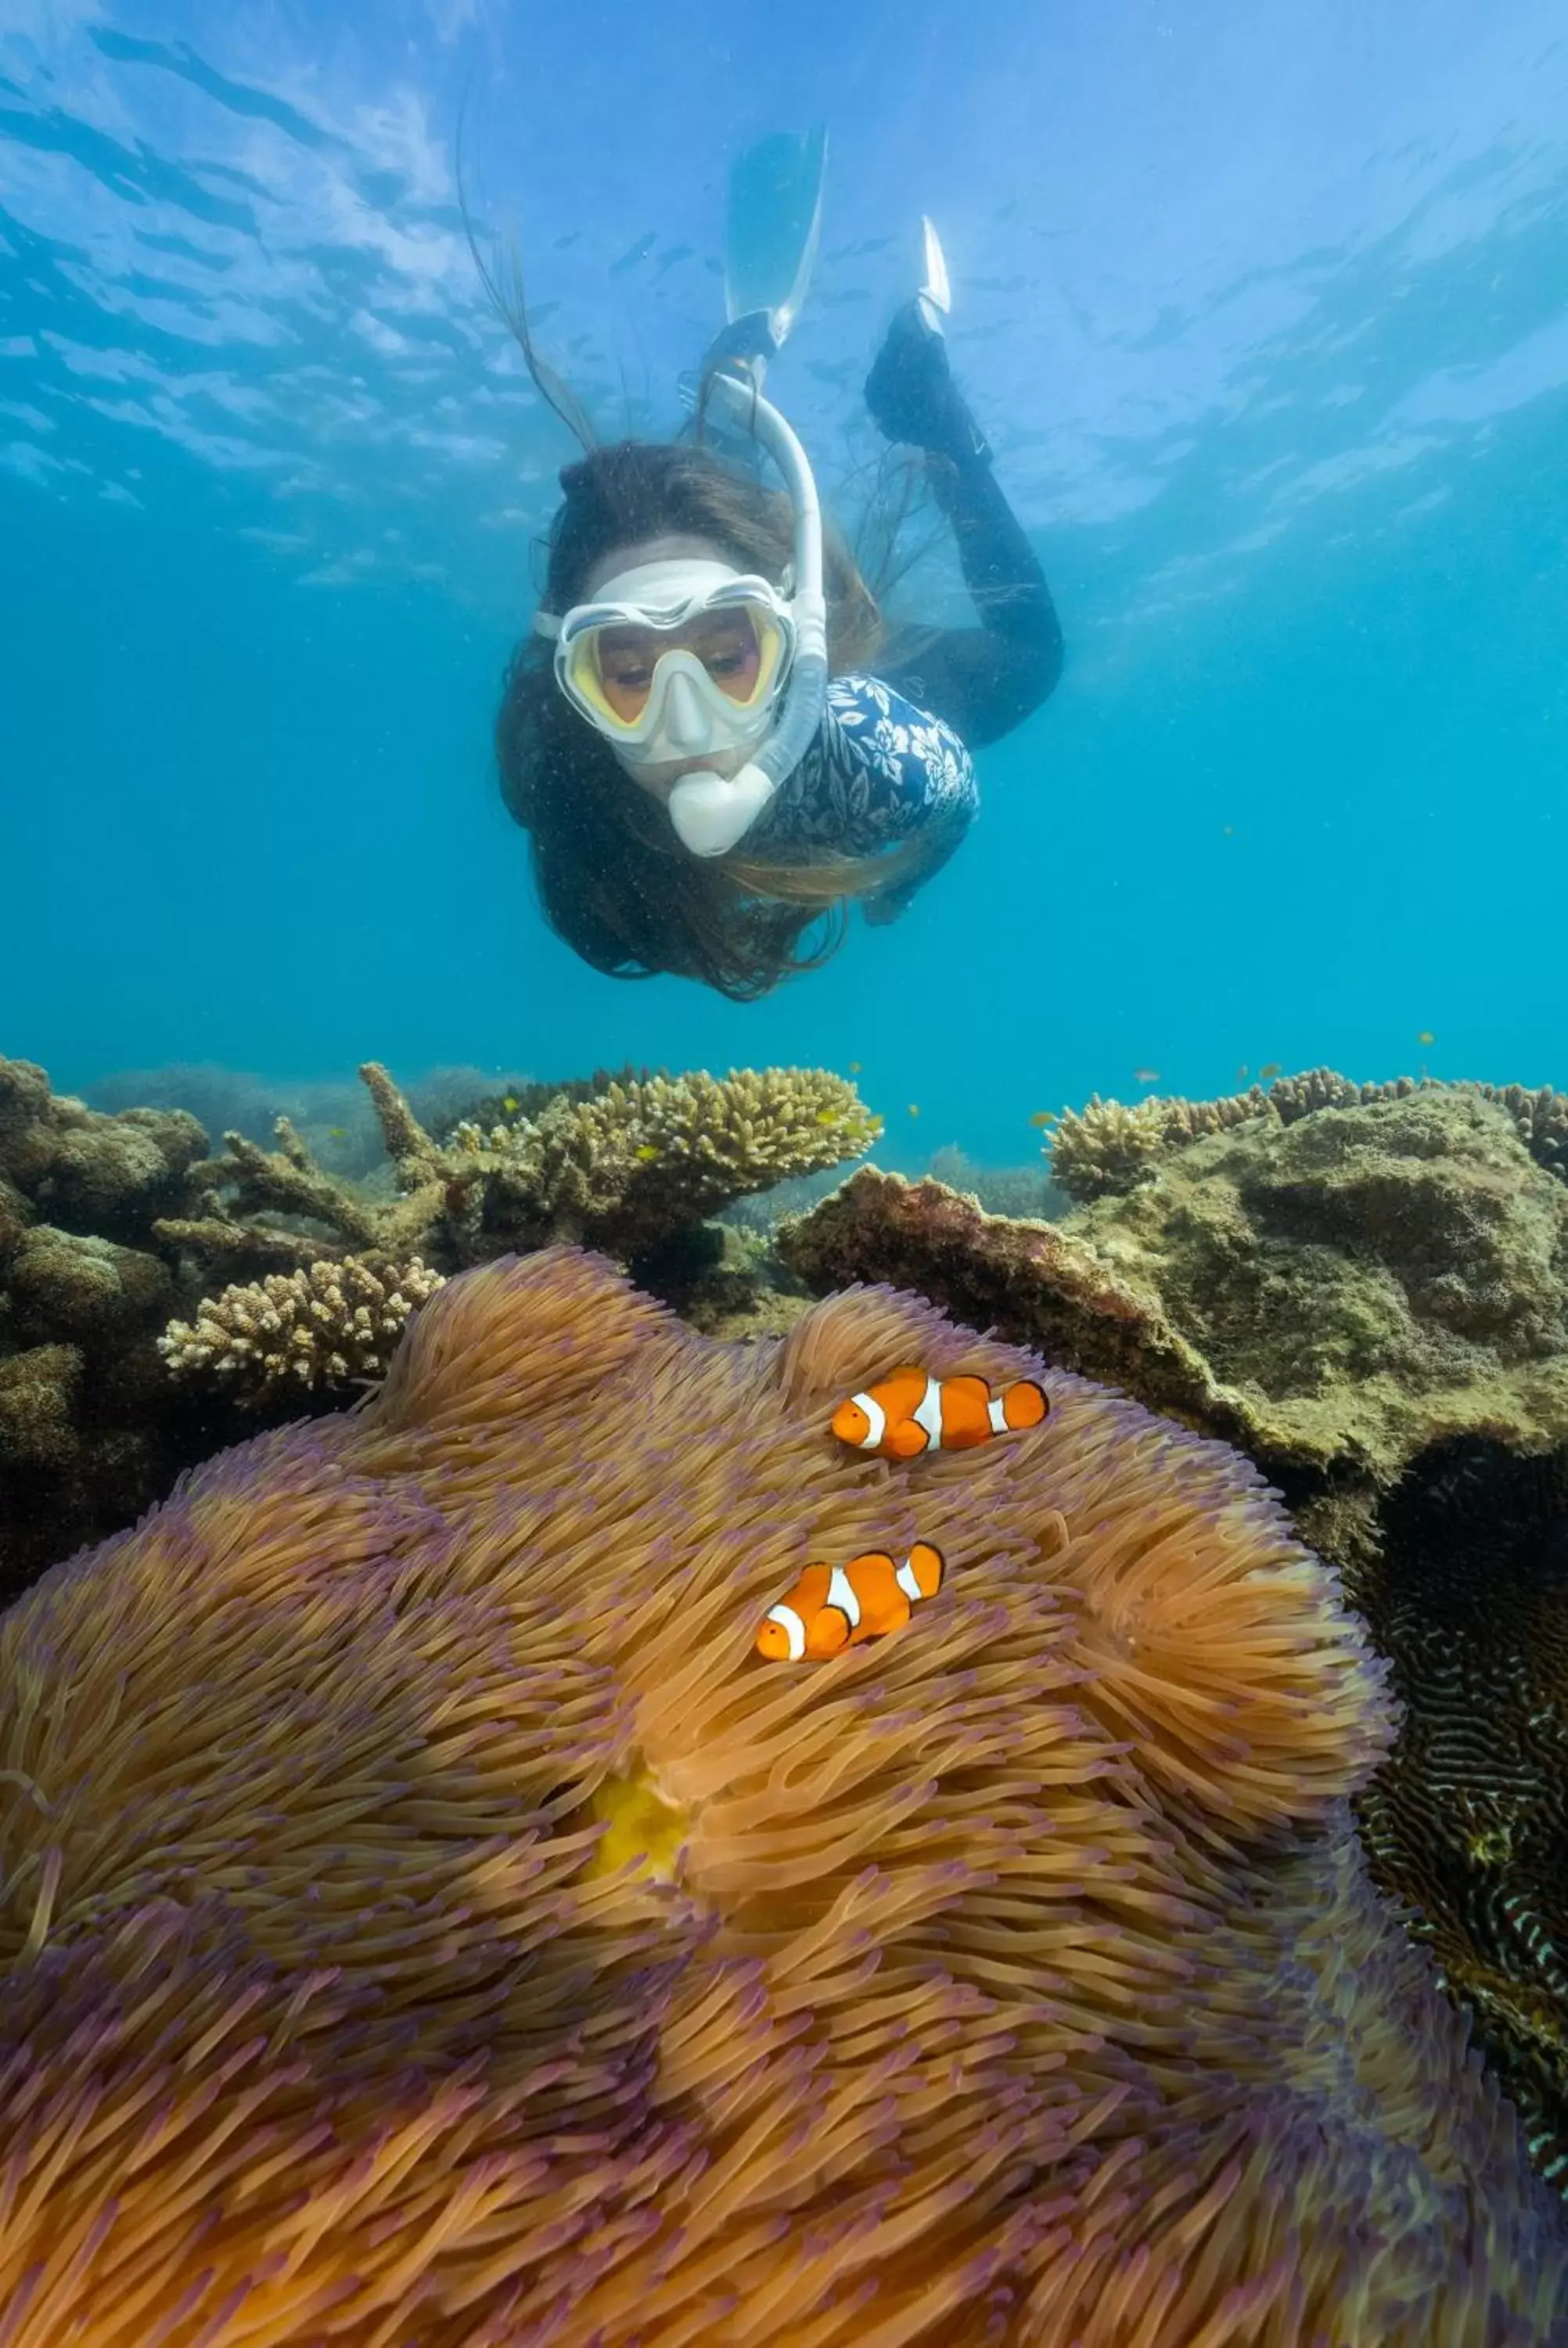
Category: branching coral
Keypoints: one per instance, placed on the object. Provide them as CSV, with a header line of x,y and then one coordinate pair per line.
x,y
1104,1149
320,1327
424,1917
624,1166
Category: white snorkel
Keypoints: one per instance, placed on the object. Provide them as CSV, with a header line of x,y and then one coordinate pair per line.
x,y
711,811
775,224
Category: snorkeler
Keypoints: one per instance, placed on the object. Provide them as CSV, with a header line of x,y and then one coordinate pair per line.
x,y
709,736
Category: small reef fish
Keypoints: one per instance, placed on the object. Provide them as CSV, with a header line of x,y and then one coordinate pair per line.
x,y
1042,1118
510,1104
914,1108
1146,1075
855,1067
912,1412
1426,1036
1269,1068
832,1607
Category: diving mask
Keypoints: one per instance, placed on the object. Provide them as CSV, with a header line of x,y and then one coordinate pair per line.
x,y
676,660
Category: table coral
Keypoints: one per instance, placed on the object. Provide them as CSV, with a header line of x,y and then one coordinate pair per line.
x,y
424,1917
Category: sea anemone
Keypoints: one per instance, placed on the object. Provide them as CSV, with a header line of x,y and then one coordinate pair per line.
x,y
425,1918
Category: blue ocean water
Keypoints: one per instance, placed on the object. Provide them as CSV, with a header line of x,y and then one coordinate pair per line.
x,y
1263,304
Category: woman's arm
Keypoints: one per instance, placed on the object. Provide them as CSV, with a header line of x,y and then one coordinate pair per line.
x,y
984,681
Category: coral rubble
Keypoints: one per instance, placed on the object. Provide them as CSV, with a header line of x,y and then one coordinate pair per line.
x,y
399,1836
1365,1288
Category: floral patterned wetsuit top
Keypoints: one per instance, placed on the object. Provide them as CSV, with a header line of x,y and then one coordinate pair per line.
x,y
878,772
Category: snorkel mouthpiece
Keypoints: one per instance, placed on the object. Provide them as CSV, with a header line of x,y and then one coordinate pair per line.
x,y
711,813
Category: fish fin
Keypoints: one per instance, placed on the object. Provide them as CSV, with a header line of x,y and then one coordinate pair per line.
x,y
828,1631
1026,1404
811,1588
927,1565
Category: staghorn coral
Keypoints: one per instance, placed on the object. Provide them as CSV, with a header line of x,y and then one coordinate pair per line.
x,y
510,1953
1106,1148
1372,1300
626,1167
323,1326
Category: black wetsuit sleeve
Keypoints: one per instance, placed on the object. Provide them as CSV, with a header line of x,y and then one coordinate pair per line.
x,y
982,681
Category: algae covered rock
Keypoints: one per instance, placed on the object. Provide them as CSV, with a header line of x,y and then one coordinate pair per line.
x,y
105,1176
1364,1282
1335,1294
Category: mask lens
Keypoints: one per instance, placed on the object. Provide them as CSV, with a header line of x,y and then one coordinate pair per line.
x,y
609,660
740,648
624,659
726,645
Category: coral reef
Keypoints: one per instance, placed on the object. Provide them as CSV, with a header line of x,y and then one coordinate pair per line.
x,y
624,1168
323,1326
87,1433
1467,1820
1371,1299
1335,1292
115,1228
1107,1147
422,1915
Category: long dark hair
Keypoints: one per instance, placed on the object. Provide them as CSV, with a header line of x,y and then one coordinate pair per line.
x,y
614,880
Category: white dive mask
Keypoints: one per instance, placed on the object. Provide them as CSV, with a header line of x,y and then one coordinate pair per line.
x,y
710,693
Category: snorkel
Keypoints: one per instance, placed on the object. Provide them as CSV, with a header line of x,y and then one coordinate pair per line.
x,y
710,812
774,226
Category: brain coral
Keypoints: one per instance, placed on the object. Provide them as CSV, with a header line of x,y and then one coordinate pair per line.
x,y
423,1919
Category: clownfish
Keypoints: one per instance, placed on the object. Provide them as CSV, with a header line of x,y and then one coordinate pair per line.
x,y
912,1412
836,1606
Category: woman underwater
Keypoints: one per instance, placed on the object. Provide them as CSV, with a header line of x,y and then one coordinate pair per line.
x,y
664,651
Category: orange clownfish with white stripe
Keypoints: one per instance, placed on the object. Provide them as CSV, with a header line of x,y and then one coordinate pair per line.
x,y
911,1412
832,1607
